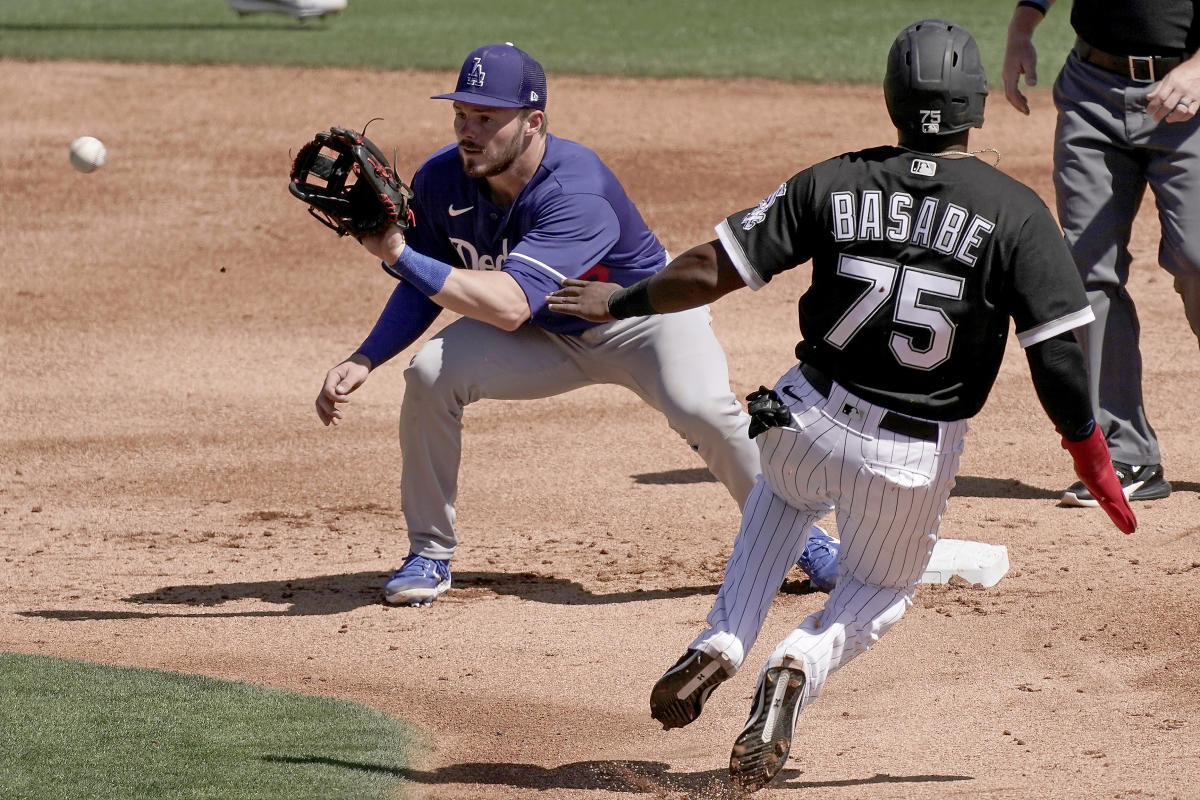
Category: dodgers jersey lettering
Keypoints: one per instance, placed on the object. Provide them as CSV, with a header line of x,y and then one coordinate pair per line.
x,y
572,220
923,258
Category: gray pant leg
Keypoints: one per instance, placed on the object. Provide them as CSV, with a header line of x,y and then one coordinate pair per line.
x,y
467,361
675,363
1099,182
1174,176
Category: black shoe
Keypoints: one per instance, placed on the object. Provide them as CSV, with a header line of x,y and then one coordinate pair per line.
x,y
678,697
761,749
1138,483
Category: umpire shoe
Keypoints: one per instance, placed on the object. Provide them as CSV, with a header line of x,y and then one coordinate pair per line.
x,y
418,582
761,749
819,559
1137,482
678,697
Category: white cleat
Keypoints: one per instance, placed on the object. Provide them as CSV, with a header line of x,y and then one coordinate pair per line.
x,y
299,9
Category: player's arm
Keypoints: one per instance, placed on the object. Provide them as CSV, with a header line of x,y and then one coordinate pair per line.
x,y
1058,371
695,278
406,316
490,296
1020,57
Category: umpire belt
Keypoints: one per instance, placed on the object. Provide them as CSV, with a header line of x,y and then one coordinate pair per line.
x,y
891,421
1139,69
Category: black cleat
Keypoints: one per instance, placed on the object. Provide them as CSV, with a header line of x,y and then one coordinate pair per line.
x,y
678,697
761,749
1137,482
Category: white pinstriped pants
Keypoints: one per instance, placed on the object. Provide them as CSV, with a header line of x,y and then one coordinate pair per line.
x,y
889,492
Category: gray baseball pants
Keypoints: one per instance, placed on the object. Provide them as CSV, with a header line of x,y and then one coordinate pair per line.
x,y
1106,151
672,361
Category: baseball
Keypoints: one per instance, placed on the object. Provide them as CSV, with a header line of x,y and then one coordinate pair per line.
x,y
87,154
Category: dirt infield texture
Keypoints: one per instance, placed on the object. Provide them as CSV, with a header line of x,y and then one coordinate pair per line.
x,y
168,498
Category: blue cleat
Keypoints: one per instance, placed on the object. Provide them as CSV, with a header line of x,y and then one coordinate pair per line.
x,y
820,559
418,582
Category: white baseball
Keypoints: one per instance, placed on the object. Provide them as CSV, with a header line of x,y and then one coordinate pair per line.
x,y
87,154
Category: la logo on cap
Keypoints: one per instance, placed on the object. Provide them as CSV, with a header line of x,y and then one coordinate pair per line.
x,y
477,74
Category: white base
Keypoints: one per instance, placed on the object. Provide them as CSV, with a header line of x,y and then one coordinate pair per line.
x,y
975,562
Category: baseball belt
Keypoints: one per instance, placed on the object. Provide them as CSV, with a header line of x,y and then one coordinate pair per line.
x,y
891,421
1140,69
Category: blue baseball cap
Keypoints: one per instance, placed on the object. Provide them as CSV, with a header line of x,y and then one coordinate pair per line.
x,y
500,76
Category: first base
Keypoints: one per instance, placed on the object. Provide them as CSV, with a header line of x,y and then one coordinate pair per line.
x,y
975,562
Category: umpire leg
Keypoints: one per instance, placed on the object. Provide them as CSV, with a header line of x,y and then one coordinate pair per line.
x,y
1174,176
1099,183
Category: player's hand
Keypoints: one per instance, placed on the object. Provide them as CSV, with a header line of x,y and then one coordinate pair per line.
x,y
1020,57
1176,98
387,245
587,299
1093,465
339,383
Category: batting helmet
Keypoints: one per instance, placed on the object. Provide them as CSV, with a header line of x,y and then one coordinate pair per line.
x,y
935,83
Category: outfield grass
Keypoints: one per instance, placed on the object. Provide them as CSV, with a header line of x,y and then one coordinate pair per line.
x,y
76,730
818,40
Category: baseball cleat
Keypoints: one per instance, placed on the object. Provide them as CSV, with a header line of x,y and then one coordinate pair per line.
x,y
300,9
761,749
418,582
819,561
679,695
1137,482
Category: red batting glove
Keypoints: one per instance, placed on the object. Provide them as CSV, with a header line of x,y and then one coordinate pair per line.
x,y
1093,465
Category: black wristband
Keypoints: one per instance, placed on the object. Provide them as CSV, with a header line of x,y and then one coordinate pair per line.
x,y
1038,5
631,301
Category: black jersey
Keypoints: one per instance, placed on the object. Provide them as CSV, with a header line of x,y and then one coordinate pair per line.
x,y
1137,27
918,263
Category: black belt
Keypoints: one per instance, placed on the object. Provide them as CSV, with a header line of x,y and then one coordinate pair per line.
x,y
891,421
1142,69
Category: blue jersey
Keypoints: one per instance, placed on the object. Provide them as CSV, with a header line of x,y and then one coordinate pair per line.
x,y
572,220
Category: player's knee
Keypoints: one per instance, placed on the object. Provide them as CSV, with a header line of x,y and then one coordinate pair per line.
x,y
429,377
423,371
701,422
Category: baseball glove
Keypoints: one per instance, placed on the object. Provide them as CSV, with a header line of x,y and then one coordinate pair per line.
x,y
349,184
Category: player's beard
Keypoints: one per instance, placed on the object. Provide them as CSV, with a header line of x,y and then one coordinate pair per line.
x,y
483,167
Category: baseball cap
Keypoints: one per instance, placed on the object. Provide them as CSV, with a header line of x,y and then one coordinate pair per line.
x,y
500,76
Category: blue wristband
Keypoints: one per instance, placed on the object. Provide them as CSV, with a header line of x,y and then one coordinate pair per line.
x,y
425,273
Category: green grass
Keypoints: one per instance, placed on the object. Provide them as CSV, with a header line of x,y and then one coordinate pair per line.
x,y
71,730
818,40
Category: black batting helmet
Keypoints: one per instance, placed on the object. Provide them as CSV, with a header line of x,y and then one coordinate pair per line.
x,y
935,83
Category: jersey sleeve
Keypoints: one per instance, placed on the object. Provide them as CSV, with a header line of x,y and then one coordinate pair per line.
x,y
570,236
772,237
1048,295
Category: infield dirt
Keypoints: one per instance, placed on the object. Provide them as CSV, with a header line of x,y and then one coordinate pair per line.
x,y
168,498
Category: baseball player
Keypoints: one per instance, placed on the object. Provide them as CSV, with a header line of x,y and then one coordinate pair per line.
x,y
921,254
1127,100
502,217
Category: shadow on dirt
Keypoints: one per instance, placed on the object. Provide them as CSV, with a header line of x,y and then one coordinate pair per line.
x,y
336,594
965,485
634,777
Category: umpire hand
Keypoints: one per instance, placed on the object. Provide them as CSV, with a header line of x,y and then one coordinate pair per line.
x,y
339,383
1176,98
1020,57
